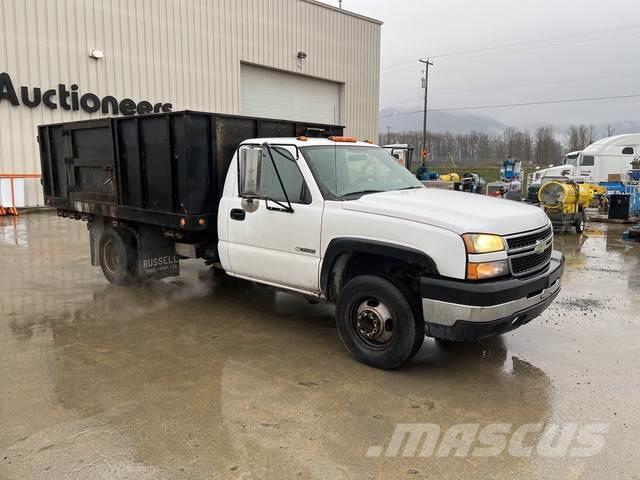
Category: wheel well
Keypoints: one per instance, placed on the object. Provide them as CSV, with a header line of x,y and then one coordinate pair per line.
x,y
348,265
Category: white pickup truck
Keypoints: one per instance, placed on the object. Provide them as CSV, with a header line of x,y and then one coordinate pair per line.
x,y
399,260
338,220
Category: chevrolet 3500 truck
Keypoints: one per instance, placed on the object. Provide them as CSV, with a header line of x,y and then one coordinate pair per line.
x,y
304,209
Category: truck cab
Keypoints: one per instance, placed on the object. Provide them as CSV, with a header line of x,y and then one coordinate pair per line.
x,y
342,221
609,156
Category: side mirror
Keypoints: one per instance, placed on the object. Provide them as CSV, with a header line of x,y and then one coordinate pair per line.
x,y
250,169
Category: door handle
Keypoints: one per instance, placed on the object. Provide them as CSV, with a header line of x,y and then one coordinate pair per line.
x,y
237,214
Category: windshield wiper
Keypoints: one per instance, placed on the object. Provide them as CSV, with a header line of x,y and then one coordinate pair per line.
x,y
361,192
408,188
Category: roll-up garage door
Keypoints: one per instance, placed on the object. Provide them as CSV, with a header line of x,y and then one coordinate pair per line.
x,y
275,94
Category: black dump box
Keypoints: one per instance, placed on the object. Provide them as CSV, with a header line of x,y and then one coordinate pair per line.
x,y
153,169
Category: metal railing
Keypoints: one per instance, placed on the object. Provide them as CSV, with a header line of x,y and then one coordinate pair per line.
x,y
9,208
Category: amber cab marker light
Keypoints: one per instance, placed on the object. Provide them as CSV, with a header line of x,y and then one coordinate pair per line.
x,y
201,221
334,138
183,222
302,138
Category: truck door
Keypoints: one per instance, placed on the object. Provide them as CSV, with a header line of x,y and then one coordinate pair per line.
x,y
587,166
266,241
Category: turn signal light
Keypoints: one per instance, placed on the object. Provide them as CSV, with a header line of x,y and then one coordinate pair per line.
x,y
481,271
334,138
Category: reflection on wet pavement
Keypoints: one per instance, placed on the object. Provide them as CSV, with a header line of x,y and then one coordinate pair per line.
x,y
202,378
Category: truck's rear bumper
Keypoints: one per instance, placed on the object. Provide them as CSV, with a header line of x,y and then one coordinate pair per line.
x,y
466,311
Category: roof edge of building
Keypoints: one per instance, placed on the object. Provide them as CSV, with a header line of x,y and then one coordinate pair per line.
x,y
346,12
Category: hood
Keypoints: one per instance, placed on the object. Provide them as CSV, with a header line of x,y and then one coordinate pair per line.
x,y
458,212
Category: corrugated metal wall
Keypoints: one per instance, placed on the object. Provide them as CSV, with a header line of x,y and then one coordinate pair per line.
x,y
186,52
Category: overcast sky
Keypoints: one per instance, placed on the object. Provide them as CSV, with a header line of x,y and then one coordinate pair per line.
x,y
575,64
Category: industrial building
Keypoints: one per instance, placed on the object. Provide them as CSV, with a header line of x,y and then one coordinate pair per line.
x,y
80,59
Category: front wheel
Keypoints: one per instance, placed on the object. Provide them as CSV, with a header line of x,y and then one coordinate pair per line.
x,y
377,323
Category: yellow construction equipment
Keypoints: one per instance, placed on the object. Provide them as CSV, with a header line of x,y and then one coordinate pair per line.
x,y
568,196
565,201
449,177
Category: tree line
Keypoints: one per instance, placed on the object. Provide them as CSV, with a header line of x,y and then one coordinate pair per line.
x,y
539,147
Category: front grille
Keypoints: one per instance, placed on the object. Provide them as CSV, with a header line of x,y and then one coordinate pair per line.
x,y
528,240
524,264
523,258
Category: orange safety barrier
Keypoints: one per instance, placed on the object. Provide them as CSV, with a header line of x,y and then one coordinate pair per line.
x,y
12,210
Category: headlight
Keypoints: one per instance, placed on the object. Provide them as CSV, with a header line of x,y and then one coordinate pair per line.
x,y
481,271
483,243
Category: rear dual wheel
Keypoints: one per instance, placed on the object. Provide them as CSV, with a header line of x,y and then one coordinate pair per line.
x,y
378,323
118,255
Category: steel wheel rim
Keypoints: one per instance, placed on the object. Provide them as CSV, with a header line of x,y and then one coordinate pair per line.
x,y
373,323
111,257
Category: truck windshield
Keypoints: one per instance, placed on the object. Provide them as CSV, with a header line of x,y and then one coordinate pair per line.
x,y
347,172
571,160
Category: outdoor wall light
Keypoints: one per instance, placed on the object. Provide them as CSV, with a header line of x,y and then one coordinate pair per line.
x,y
97,54
301,56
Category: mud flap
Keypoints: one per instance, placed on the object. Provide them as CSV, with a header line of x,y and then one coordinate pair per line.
x,y
156,254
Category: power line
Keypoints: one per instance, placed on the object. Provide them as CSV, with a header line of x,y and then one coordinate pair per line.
x,y
523,104
521,85
516,44
510,52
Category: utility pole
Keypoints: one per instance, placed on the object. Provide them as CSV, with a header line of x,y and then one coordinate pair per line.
x,y
388,135
425,85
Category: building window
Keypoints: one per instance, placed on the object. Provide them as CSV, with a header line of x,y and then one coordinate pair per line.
x,y
627,151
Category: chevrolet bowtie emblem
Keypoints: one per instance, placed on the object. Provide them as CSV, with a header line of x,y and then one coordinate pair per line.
x,y
540,247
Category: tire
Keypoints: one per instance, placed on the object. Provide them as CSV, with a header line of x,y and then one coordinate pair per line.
x,y
579,225
118,256
380,342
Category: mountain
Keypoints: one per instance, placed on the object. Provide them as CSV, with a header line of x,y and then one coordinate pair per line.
x,y
401,120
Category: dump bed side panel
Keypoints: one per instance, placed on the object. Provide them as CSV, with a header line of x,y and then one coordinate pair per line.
x,y
91,163
165,169
196,172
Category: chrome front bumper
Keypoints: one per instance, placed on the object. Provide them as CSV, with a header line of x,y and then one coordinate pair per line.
x,y
448,313
466,311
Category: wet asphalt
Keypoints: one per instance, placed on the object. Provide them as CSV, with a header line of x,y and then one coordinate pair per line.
x,y
201,378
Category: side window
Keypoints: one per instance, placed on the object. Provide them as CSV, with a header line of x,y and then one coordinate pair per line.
x,y
289,173
587,161
627,151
